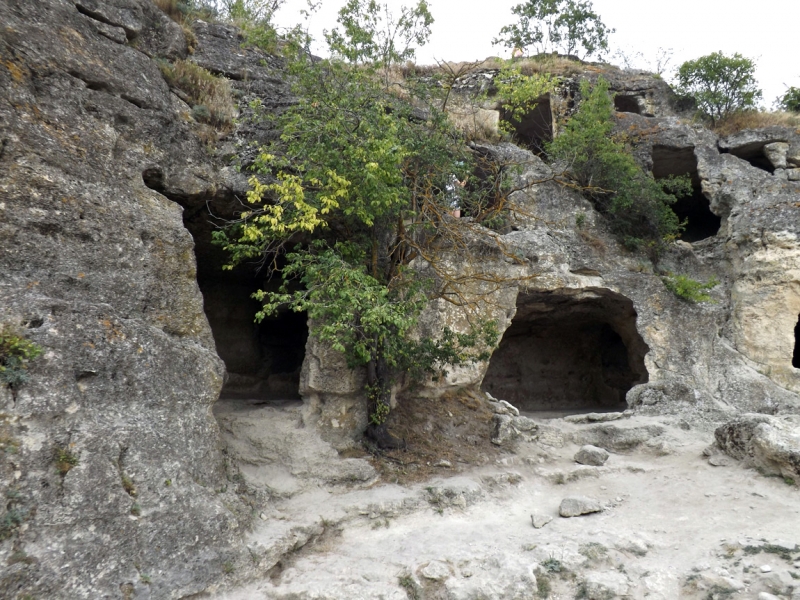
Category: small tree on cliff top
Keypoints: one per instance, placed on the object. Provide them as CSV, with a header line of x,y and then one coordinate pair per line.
x,y
719,84
566,26
354,199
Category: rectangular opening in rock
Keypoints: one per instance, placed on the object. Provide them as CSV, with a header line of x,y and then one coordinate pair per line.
x,y
568,350
693,210
535,129
627,103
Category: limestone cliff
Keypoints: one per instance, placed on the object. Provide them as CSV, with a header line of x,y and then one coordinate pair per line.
x,y
109,190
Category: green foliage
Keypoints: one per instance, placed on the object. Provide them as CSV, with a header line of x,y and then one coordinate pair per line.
x,y
790,101
15,354
371,34
719,84
565,26
689,289
65,460
520,93
348,198
210,96
552,565
637,205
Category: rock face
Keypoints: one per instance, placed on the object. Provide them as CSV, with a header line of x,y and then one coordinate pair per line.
x,y
113,470
117,475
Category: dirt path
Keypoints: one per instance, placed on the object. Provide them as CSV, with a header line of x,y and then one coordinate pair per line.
x,y
672,526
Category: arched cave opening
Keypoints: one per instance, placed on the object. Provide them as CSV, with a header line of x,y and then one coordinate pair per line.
x,y
627,103
262,360
568,350
694,210
535,129
796,355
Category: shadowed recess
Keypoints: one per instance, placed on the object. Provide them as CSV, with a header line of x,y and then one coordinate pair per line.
x,y
796,355
569,349
693,210
535,129
627,103
262,360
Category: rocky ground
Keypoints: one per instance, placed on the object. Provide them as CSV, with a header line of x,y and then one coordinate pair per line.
x,y
670,518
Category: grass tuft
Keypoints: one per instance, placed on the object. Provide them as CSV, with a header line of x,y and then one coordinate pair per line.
x,y
210,96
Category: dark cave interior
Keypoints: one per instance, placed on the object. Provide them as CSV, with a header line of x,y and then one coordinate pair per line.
x,y
535,129
695,209
568,350
262,360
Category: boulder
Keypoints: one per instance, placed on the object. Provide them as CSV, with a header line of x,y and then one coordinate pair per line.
x,y
592,456
769,443
575,506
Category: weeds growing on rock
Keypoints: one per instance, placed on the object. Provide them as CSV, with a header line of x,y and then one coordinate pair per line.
x,y
689,289
65,460
406,581
210,96
128,485
593,551
15,354
552,565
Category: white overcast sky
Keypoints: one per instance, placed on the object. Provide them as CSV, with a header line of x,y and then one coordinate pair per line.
x,y
767,33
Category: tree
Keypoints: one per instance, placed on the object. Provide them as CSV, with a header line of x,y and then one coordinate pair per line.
x,y
637,206
719,84
371,33
349,208
790,101
566,26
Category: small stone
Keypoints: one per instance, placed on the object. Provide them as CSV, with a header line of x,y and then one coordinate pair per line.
x,y
720,460
540,520
592,456
767,596
578,505
766,568
446,464
504,430
262,516
525,424
435,571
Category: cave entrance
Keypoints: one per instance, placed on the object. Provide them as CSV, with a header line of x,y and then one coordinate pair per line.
x,y
262,360
754,154
796,355
569,350
627,103
693,210
535,129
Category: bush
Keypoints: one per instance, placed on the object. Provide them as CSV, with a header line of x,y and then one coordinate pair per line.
x,y
790,101
637,206
719,84
689,289
210,96
15,354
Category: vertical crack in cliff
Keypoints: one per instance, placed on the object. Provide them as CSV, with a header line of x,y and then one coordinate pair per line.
x,y
694,210
568,350
796,355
